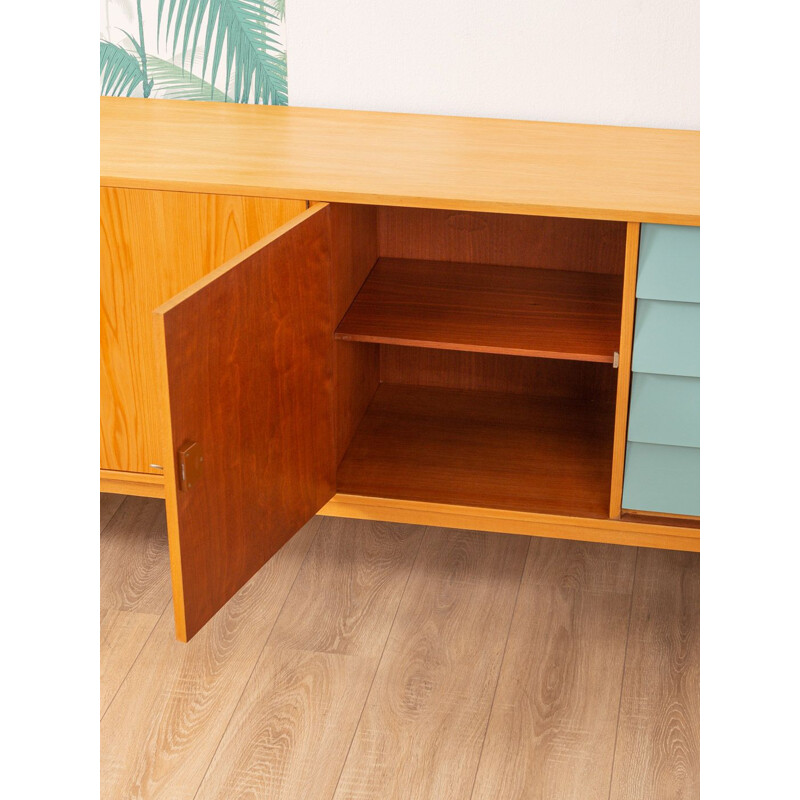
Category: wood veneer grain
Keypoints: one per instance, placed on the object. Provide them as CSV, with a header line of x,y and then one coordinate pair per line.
x,y
247,367
483,449
636,533
138,484
537,168
153,244
487,308
658,742
162,728
624,370
511,239
554,718
354,250
490,372
673,520
423,723
357,367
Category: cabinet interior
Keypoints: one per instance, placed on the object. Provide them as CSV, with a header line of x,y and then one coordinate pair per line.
x,y
473,357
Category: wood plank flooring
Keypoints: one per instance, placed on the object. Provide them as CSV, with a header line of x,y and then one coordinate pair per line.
x,y
658,738
373,660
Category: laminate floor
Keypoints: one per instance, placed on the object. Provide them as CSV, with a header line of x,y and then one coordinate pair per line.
x,y
374,660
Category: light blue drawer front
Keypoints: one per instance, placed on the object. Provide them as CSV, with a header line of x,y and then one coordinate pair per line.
x,y
665,409
662,479
669,263
666,338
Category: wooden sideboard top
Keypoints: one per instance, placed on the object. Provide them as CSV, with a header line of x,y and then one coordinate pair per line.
x,y
538,168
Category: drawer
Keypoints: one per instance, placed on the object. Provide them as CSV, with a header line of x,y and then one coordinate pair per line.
x,y
669,263
665,409
662,479
666,338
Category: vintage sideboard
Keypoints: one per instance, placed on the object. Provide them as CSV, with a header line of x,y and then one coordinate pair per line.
x,y
471,323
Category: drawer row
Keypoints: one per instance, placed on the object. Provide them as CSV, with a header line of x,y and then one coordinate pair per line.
x,y
662,465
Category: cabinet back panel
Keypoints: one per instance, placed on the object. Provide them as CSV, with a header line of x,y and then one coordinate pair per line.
x,y
508,239
453,369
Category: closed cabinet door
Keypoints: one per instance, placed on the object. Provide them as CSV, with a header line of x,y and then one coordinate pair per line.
x,y
153,244
246,363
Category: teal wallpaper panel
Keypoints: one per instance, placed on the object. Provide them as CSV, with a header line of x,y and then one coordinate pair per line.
x,y
669,263
662,479
666,338
665,409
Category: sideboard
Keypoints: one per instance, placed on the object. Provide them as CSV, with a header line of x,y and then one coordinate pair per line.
x,y
471,323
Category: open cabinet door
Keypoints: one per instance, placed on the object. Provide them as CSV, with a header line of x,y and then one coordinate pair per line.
x,y
246,360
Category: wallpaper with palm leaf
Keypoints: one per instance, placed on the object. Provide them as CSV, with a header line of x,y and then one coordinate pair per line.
x,y
227,50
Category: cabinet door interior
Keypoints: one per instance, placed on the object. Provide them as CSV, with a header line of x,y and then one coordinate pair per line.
x,y
246,359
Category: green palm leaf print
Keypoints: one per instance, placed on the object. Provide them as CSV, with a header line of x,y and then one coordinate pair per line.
x,y
241,31
120,71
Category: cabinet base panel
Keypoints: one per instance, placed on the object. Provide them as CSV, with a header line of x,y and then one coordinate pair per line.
x,y
680,520
631,530
609,531
463,448
139,484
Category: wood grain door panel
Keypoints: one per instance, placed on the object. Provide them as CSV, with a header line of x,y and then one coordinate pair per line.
x,y
246,356
153,244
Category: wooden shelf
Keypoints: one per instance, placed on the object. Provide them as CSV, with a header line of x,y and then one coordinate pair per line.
x,y
489,309
482,449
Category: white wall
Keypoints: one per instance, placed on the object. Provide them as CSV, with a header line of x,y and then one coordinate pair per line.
x,y
621,62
